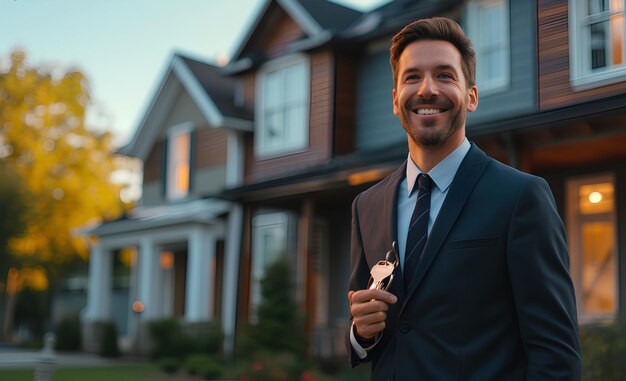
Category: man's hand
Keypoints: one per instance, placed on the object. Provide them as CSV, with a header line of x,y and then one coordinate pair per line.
x,y
369,311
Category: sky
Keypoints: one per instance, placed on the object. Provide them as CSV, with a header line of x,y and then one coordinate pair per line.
x,y
124,46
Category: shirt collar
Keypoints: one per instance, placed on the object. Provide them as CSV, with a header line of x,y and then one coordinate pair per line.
x,y
443,173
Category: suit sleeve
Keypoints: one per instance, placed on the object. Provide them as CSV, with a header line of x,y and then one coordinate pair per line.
x,y
538,266
359,275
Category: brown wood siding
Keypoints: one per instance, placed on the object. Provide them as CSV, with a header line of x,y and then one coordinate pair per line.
x,y
247,81
345,104
284,31
320,128
553,49
152,165
210,147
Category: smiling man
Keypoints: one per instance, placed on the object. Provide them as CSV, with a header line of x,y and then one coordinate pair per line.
x,y
482,290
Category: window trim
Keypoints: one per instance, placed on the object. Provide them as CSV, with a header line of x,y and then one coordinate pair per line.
x,y
499,85
581,77
260,151
183,128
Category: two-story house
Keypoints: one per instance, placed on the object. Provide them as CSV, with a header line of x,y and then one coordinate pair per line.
x,y
180,258
325,130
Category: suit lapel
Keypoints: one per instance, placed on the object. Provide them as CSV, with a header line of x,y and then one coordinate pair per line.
x,y
390,216
462,186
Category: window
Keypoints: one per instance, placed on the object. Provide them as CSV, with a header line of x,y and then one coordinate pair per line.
x,y
593,245
178,161
282,106
488,28
596,42
269,243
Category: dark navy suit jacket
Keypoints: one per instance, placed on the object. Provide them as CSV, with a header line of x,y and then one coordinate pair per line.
x,y
491,299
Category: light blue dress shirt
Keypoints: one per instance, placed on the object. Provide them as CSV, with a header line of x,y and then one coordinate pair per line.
x,y
442,175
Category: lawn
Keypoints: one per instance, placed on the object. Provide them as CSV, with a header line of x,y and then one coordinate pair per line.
x,y
147,372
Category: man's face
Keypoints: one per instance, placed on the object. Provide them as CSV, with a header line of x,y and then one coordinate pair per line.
x,y
431,96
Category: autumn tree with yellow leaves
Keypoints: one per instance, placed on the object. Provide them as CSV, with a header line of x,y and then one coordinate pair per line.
x,y
65,167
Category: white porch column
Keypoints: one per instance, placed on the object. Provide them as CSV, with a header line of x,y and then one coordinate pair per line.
x,y
231,275
200,276
99,291
149,272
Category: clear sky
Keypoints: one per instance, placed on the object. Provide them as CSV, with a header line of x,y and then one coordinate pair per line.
x,y
123,46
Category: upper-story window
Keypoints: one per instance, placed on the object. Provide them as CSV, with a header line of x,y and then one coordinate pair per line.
x,y
178,161
488,28
596,42
282,106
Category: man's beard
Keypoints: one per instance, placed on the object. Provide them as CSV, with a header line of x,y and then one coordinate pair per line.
x,y
428,135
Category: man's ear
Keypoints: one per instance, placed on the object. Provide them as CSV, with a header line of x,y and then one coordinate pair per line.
x,y
472,102
396,109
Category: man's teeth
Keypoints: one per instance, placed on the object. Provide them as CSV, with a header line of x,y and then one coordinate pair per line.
x,y
428,111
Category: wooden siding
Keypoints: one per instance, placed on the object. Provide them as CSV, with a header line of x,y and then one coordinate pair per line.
x,y
282,32
247,81
376,125
320,125
152,165
345,104
520,96
554,75
210,147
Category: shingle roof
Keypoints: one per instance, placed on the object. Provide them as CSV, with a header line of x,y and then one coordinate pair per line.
x,y
220,89
389,18
330,16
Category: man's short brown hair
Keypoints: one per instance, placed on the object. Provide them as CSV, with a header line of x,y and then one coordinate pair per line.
x,y
436,28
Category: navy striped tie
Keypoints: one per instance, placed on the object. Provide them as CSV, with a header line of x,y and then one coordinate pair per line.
x,y
418,229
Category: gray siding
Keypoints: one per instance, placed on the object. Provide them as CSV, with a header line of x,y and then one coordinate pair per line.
x,y
209,180
206,181
152,194
376,125
521,96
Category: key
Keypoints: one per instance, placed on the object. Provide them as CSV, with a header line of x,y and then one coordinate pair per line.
x,y
380,274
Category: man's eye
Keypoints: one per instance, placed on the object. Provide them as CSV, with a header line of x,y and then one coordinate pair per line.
x,y
446,76
410,78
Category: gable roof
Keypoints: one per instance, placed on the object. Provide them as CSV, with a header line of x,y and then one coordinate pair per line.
x,y
319,19
210,90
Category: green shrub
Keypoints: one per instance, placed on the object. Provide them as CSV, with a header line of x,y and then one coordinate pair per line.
x,y
166,335
212,369
68,336
604,352
169,364
194,362
108,340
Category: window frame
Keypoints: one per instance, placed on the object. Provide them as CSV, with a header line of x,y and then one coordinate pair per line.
x,y
171,191
575,249
261,149
473,9
261,222
581,75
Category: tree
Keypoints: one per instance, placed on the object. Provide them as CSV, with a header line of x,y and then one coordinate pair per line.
x,y
280,325
65,167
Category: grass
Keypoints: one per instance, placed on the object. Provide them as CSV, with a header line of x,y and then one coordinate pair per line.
x,y
147,372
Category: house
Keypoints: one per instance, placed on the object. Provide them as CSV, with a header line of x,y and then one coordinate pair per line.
x,y
176,246
299,199
310,125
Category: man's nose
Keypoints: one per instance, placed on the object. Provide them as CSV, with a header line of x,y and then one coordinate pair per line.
x,y
428,87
